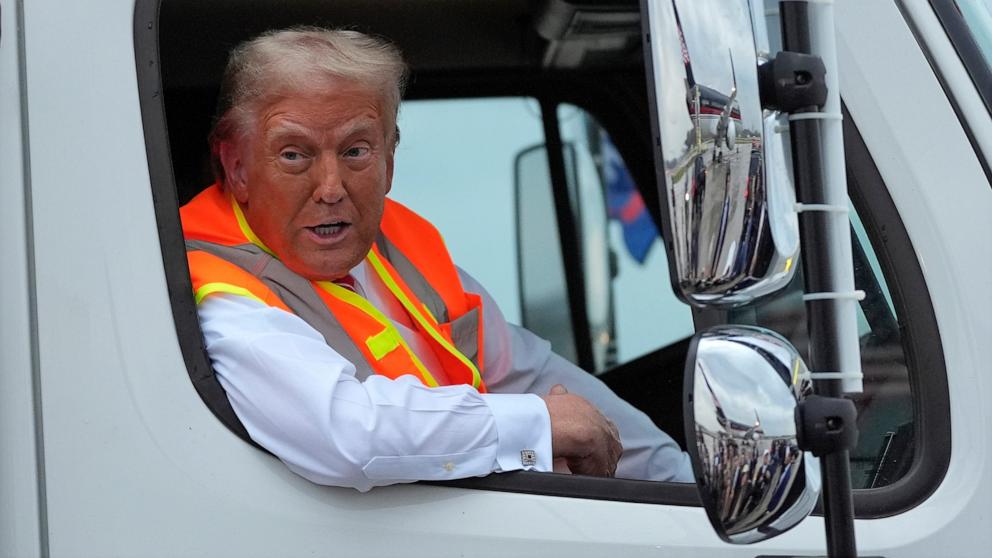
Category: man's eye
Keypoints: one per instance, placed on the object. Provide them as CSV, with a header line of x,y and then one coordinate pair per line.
x,y
357,151
291,155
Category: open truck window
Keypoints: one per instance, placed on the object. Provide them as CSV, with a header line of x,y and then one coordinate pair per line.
x,y
489,71
582,106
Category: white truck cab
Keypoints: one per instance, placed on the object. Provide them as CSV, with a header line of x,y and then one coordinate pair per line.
x,y
516,111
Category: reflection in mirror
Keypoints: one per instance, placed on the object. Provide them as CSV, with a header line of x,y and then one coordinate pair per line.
x,y
743,385
730,201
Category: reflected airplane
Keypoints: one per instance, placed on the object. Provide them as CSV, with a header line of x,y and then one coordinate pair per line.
x,y
716,116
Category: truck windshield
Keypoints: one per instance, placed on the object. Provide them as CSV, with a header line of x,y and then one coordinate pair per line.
x,y
977,15
968,24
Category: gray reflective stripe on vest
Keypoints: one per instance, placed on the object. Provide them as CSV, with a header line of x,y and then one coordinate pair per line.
x,y
296,292
465,335
464,330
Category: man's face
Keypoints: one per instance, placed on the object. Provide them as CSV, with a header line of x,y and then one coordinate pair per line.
x,y
312,177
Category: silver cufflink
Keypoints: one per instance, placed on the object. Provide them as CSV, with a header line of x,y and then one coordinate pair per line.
x,y
528,457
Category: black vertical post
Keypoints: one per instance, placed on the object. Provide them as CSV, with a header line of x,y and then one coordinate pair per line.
x,y
569,236
822,315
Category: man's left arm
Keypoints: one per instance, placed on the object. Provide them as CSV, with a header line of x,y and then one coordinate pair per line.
x,y
517,361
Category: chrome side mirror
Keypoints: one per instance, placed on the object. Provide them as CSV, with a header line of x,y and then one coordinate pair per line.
x,y
742,388
728,194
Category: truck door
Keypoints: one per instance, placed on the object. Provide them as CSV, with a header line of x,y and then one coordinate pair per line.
x,y
112,136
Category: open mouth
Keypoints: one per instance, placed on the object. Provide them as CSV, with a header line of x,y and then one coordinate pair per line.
x,y
330,230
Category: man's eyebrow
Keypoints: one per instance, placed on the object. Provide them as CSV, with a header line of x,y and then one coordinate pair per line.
x,y
361,126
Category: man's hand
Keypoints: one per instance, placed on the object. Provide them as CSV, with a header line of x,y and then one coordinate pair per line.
x,y
588,441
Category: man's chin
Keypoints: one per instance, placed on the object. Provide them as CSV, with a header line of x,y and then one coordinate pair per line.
x,y
324,271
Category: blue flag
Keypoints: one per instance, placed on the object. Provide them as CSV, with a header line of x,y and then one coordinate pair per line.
x,y
625,204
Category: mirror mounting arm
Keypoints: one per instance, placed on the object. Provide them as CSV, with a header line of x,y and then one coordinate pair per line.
x,y
824,246
826,425
792,82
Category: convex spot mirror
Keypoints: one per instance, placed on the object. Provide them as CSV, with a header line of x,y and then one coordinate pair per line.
x,y
728,198
742,388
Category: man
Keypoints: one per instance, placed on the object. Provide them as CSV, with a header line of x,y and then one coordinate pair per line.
x,y
348,343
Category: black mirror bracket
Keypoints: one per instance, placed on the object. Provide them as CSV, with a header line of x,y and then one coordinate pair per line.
x,y
795,82
792,82
826,425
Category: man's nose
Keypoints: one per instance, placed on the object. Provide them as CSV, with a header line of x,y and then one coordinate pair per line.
x,y
329,182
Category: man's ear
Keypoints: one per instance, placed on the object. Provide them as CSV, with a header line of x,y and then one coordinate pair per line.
x,y
389,160
234,171
389,172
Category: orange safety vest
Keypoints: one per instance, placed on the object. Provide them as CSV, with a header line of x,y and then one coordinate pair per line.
x,y
408,255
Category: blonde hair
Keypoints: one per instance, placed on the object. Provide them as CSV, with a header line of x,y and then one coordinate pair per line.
x,y
289,62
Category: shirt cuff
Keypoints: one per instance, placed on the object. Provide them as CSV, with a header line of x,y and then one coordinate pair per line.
x,y
523,429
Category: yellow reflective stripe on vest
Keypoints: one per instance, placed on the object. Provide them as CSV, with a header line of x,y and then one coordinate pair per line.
x,y
382,343
417,315
210,288
429,313
246,230
386,340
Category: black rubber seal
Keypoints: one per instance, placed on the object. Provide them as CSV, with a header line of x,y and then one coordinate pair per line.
x,y
589,488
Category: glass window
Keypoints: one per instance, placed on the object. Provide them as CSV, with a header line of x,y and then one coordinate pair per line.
x,y
455,166
968,24
977,16
630,297
478,169
885,407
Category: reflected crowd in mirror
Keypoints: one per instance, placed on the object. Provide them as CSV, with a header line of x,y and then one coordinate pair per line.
x,y
752,475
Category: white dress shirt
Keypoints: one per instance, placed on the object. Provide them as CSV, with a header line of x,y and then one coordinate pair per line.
x,y
299,399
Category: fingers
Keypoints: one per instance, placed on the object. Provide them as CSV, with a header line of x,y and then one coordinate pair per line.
x,y
600,463
589,442
558,389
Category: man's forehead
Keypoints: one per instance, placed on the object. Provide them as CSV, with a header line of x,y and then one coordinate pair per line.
x,y
320,115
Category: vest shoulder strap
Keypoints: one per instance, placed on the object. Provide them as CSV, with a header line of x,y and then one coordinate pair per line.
x,y
421,248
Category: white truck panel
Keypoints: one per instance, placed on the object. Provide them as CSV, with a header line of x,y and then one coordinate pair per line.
x,y
944,200
20,477
135,463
